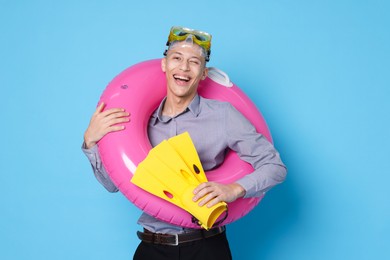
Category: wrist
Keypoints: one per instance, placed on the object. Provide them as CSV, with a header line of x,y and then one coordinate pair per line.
x,y
88,143
238,190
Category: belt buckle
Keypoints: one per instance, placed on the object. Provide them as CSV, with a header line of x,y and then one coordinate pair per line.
x,y
221,229
176,243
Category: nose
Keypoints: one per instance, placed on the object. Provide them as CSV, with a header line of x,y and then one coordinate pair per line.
x,y
184,66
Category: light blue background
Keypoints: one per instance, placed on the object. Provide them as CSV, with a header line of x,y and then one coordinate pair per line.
x,y
318,71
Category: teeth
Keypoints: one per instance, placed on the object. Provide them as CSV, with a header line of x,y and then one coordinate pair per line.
x,y
181,77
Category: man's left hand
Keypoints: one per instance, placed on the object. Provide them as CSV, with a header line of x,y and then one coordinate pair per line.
x,y
213,193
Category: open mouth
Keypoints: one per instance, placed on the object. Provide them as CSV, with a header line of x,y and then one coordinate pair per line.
x,y
181,79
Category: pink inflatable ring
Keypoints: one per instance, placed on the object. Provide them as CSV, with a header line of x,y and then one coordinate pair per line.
x,y
139,89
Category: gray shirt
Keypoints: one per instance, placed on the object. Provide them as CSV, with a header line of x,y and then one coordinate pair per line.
x,y
214,128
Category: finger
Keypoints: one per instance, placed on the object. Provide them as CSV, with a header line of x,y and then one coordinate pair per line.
x,y
108,123
116,128
214,202
206,194
200,187
111,111
99,108
118,114
207,199
111,129
106,116
202,192
116,119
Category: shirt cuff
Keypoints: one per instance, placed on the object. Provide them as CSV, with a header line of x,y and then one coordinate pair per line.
x,y
92,154
262,180
249,186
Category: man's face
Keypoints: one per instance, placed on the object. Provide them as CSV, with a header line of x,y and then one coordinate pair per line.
x,y
184,67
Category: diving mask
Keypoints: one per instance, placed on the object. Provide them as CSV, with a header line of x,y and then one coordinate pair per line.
x,y
179,34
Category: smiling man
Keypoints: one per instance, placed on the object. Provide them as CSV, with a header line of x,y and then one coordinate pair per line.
x,y
214,127
184,68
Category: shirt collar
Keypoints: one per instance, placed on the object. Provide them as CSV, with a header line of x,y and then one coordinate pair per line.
x,y
193,107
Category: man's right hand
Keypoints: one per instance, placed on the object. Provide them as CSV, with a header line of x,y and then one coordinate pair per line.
x,y
104,122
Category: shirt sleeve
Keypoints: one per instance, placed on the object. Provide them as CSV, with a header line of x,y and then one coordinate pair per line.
x,y
98,168
255,149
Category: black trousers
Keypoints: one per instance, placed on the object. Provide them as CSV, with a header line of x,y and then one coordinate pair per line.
x,y
212,248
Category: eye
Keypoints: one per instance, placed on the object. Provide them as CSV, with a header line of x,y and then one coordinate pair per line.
x,y
195,62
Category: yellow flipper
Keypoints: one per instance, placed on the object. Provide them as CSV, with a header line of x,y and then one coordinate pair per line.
x,y
169,173
186,149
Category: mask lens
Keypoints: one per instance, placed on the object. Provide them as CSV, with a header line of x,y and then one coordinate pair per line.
x,y
200,37
179,32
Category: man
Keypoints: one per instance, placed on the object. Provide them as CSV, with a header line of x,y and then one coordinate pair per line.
x,y
214,127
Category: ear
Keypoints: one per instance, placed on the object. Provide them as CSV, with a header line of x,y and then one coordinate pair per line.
x,y
163,64
205,73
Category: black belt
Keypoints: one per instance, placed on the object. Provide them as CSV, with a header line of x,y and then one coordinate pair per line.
x,y
174,240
